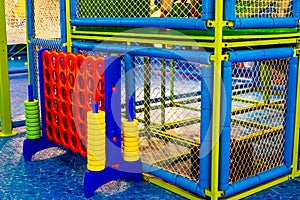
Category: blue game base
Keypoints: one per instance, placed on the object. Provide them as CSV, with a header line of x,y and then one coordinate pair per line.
x,y
31,147
94,180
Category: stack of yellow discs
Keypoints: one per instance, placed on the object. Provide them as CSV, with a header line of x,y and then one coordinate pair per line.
x,y
32,115
96,147
131,151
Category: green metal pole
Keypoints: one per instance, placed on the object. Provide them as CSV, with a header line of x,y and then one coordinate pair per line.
x,y
5,112
163,93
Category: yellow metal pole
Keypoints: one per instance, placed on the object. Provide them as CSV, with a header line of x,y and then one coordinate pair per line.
x,y
296,157
218,58
5,111
68,26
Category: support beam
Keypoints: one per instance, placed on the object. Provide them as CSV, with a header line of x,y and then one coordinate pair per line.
x,y
5,111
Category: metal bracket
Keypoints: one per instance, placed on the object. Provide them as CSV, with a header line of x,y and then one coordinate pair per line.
x,y
212,24
224,57
208,193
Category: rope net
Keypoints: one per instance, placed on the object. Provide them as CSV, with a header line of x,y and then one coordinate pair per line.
x,y
140,8
15,21
258,117
263,8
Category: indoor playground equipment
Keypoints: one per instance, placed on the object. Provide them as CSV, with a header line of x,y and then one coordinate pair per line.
x,y
215,118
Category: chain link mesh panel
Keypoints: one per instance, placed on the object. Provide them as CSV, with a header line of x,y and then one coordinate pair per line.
x,y
168,108
46,19
15,21
140,8
49,45
263,8
258,117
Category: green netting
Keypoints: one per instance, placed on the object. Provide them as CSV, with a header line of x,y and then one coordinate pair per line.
x,y
263,8
108,8
141,8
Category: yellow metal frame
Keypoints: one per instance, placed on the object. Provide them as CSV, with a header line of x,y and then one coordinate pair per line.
x,y
296,153
260,42
248,37
68,26
149,35
5,108
154,40
217,58
151,179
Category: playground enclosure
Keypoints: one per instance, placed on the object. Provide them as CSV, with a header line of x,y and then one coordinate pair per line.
x,y
217,121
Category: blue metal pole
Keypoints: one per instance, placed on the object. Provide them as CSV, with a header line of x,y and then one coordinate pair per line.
x,y
226,104
290,111
63,29
42,91
205,130
130,87
260,54
32,73
296,9
73,9
229,10
256,22
178,23
207,9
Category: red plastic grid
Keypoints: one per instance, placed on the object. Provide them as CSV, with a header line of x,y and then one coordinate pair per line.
x,y
72,82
